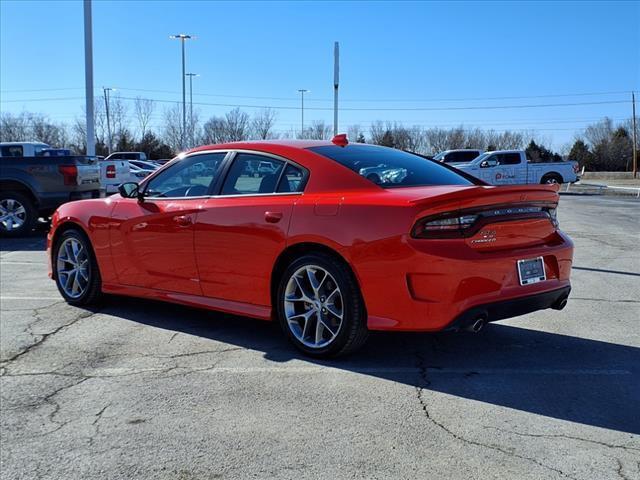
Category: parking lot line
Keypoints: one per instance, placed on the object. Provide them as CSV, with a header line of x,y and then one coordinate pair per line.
x,y
3,297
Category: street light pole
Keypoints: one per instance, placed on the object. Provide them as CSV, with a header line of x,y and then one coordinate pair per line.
x,y
105,92
191,75
336,81
635,139
302,92
88,78
182,37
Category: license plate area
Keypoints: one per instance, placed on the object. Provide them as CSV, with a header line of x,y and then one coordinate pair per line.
x,y
531,270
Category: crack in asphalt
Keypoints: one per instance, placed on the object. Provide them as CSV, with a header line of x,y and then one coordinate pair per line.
x,y
561,435
96,424
604,300
43,337
619,471
424,384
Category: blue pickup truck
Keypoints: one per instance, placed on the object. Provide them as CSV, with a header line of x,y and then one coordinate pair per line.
x,y
33,186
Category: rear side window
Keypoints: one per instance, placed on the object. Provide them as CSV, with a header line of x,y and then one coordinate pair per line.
x,y
12,151
252,174
391,168
292,180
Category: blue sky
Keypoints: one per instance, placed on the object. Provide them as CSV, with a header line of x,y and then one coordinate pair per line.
x,y
398,55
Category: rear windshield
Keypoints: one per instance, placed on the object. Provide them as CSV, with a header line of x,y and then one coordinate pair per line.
x,y
390,168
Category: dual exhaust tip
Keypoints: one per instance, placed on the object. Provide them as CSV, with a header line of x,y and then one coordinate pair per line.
x,y
561,303
478,323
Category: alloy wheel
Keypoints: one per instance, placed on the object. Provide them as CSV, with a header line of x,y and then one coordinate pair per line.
x,y
313,306
13,215
73,268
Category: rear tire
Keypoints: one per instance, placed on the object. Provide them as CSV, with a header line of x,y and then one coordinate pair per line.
x,y
320,307
18,214
551,179
75,269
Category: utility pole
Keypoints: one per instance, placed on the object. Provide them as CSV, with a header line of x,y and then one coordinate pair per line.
x,y
635,136
336,75
182,37
88,78
191,136
105,91
302,92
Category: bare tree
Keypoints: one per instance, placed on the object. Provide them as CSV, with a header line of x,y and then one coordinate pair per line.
x,y
377,131
318,130
14,128
172,127
355,133
600,132
262,124
236,125
213,130
43,130
144,108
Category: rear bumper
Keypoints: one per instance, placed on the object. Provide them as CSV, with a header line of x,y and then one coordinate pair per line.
x,y
493,312
430,289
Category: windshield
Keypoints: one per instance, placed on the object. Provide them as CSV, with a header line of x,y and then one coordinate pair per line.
x,y
440,156
389,167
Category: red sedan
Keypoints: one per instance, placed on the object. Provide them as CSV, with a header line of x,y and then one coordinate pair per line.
x,y
329,238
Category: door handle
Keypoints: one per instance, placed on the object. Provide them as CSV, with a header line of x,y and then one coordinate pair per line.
x,y
183,220
273,217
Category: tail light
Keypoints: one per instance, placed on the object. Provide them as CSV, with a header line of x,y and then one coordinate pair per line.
x,y
111,171
576,167
69,173
466,223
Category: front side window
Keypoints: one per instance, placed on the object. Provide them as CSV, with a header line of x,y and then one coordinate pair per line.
x,y
508,158
192,176
252,174
12,151
390,168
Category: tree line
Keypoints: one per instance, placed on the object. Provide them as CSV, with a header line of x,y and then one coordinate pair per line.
x,y
603,145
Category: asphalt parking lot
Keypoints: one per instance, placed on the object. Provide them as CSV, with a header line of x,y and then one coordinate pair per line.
x,y
145,390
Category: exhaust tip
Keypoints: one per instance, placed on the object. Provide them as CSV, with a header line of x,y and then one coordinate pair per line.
x,y
560,304
477,325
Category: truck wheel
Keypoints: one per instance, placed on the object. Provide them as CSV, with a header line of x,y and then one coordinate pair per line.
x,y
17,214
551,179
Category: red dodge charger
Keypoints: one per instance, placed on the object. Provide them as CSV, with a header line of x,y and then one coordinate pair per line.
x,y
329,238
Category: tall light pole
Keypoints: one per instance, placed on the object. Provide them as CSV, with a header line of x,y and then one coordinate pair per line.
x,y
182,37
635,134
105,92
336,79
302,92
88,78
191,75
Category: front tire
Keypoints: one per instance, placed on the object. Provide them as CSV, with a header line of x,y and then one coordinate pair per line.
x,y
320,307
18,215
75,269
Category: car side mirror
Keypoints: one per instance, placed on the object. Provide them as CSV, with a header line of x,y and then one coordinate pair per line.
x,y
130,190
489,163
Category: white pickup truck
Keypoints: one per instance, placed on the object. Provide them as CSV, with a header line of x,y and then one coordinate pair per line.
x,y
511,167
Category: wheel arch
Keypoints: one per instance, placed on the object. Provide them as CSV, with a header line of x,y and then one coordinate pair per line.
x,y
552,174
20,187
59,230
302,248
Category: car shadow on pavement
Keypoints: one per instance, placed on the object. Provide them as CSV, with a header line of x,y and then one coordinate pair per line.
x,y
35,240
564,377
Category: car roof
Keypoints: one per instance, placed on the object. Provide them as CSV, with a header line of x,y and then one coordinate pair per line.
x,y
264,145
